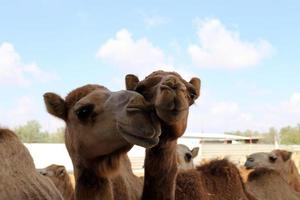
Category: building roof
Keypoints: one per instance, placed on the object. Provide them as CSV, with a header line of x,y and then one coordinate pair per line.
x,y
217,136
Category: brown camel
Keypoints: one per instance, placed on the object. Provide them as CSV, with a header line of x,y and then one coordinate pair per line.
x,y
215,180
172,96
279,160
185,157
101,127
268,184
61,179
18,177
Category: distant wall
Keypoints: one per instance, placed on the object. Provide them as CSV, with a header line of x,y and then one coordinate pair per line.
x,y
46,154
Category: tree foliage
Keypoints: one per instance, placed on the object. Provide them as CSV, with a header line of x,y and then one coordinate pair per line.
x,y
286,135
32,132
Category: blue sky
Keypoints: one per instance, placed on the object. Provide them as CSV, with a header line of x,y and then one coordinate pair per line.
x,y
246,54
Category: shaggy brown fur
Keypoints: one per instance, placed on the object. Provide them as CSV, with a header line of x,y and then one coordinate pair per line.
x,y
171,96
268,184
216,180
61,179
101,127
18,177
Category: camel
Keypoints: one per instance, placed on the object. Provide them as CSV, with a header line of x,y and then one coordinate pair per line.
x,y
61,179
172,96
215,180
101,127
185,157
18,177
268,184
59,176
279,160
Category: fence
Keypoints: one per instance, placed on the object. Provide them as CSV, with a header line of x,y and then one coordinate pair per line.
x,y
46,154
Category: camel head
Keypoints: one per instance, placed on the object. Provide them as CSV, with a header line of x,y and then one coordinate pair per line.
x,y
185,156
278,160
100,122
171,96
61,179
57,173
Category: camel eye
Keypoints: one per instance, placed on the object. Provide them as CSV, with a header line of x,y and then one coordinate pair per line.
x,y
85,111
273,158
193,94
188,157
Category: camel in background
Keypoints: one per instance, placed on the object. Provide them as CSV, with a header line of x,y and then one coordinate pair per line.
x,y
279,160
268,184
18,176
101,127
185,157
61,179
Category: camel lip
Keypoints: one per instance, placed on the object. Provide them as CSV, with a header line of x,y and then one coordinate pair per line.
x,y
146,142
174,110
249,167
139,108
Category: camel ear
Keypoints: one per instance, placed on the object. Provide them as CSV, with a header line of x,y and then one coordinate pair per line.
x,y
131,81
196,82
195,152
286,155
60,171
55,105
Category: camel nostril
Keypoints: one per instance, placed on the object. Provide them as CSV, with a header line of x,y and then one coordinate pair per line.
x,y
170,82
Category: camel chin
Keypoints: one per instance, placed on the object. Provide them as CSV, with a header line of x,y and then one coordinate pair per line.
x,y
171,116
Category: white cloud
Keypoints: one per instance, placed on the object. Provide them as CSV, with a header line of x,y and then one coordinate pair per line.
x,y
210,115
138,56
13,71
154,21
293,104
225,108
27,108
222,48
23,110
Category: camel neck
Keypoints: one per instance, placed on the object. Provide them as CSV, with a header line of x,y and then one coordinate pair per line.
x,y
69,190
160,171
89,186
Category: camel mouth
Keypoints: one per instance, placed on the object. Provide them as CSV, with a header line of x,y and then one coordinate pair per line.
x,y
146,142
173,110
171,116
249,166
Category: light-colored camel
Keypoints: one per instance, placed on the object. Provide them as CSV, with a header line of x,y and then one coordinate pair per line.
x,y
61,179
172,96
279,160
18,177
268,184
185,157
101,127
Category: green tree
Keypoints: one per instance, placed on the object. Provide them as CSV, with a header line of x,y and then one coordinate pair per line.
x,y
31,132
